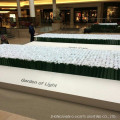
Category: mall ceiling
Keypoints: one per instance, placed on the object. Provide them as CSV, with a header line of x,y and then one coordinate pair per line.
x,y
9,0
12,3
16,0
56,0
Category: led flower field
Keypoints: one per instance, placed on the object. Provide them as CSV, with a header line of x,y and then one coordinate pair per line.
x,y
108,24
105,28
80,38
79,61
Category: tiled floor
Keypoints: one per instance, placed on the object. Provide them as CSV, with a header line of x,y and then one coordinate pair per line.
x,y
19,40
42,108
10,116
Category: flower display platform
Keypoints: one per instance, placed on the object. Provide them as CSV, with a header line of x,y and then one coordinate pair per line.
x,y
91,91
80,38
39,69
105,28
77,61
108,24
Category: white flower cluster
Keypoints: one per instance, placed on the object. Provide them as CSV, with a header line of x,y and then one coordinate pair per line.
x,y
107,24
80,36
76,56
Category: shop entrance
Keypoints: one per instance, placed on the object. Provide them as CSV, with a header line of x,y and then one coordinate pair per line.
x,y
47,16
65,16
111,12
85,15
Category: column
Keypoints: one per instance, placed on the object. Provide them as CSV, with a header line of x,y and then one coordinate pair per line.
x,y
38,16
72,17
18,8
54,8
19,13
100,13
32,8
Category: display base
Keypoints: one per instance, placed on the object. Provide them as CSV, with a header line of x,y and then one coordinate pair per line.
x,y
91,91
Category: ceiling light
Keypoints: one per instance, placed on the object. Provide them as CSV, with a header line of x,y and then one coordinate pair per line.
x,y
4,12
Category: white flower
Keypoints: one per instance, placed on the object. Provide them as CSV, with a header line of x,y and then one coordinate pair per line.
x,y
75,56
80,36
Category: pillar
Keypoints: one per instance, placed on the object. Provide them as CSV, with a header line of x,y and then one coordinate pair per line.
x,y
32,12
54,8
18,8
38,17
32,8
55,26
19,13
72,17
100,13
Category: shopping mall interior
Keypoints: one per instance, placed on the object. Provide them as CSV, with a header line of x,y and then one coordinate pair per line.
x,y
68,68
71,12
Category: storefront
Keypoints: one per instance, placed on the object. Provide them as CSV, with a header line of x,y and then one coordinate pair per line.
x,y
65,16
70,13
8,19
111,12
47,16
85,15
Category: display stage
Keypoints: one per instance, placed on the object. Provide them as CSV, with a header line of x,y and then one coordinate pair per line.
x,y
77,61
80,38
91,91
105,28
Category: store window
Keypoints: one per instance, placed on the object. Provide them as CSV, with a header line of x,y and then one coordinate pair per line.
x,y
65,16
112,14
47,16
12,20
12,17
78,16
93,16
51,15
86,15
